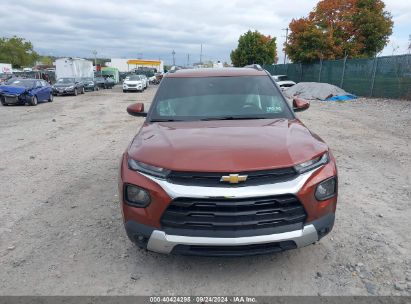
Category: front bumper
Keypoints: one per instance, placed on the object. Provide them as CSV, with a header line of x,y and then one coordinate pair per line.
x,y
89,87
144,227
158,241
138,87
63,91
15,99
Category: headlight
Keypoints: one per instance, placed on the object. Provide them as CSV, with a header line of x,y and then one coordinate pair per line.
x,y
136,196
312,164
70,87
148,169
326,189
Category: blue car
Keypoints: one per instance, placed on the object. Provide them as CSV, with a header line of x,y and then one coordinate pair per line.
x,y
25,91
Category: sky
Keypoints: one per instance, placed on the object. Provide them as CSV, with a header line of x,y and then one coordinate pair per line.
x,y
152,29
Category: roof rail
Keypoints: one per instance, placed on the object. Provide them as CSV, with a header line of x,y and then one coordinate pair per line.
x,y
255,67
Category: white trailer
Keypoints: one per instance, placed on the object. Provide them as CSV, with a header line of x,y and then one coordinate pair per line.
x,y
5,68
73,68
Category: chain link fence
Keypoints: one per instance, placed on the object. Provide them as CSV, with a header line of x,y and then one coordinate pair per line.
x,y
385,77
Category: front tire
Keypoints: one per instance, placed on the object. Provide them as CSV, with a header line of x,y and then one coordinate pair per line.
x,y
34,101
75,92
3,101
82,91
50,98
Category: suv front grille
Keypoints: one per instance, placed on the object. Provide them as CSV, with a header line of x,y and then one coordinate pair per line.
x,y
212,179
233,251
228,217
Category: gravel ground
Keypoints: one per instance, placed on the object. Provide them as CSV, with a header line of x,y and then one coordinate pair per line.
x,y
61,231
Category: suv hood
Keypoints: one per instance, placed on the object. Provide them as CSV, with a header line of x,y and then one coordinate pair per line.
x,y
226,146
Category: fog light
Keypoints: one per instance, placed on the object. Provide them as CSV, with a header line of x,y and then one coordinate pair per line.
x,y
136,196
326,189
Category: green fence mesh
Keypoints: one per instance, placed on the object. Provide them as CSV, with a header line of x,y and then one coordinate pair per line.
x,y
385,77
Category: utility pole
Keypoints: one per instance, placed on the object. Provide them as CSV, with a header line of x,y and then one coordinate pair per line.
x,y
174,58
409,45
201,55
188,60
95,59
286,42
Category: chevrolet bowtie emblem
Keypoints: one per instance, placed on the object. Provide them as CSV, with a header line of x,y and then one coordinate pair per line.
x,y
233,178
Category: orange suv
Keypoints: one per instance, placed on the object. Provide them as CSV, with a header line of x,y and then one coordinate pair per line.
x,y
223,167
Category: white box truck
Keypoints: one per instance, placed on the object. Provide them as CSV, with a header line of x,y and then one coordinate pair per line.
x,y
74,68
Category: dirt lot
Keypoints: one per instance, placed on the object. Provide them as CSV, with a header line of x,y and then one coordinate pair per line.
x,y
61,230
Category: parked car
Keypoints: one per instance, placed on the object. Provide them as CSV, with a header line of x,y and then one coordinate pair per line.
x,y
104,83
223,167
159,77
89,84
110,83
145,81
100,82
25,91
283,81
68,86
133,83
152,80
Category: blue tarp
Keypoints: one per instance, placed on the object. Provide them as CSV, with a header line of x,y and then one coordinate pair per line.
x,y
342,98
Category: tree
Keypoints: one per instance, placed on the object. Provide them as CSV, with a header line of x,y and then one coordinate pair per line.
x,y
338,28
374,26
254,47
17,51
46,60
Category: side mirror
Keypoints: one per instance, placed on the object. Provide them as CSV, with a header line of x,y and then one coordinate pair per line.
x,y
136,109
300,104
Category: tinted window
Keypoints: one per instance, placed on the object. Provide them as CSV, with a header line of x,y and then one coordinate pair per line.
x,y
65,80
219,97
134,77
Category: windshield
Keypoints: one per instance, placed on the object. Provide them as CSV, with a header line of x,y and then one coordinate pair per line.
x,y
214,98
65,80
133,77
99,79
26,83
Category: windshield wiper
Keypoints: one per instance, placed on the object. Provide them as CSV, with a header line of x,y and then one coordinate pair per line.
x,y
231,118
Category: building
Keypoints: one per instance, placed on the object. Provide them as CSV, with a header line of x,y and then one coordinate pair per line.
x,y
126,65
